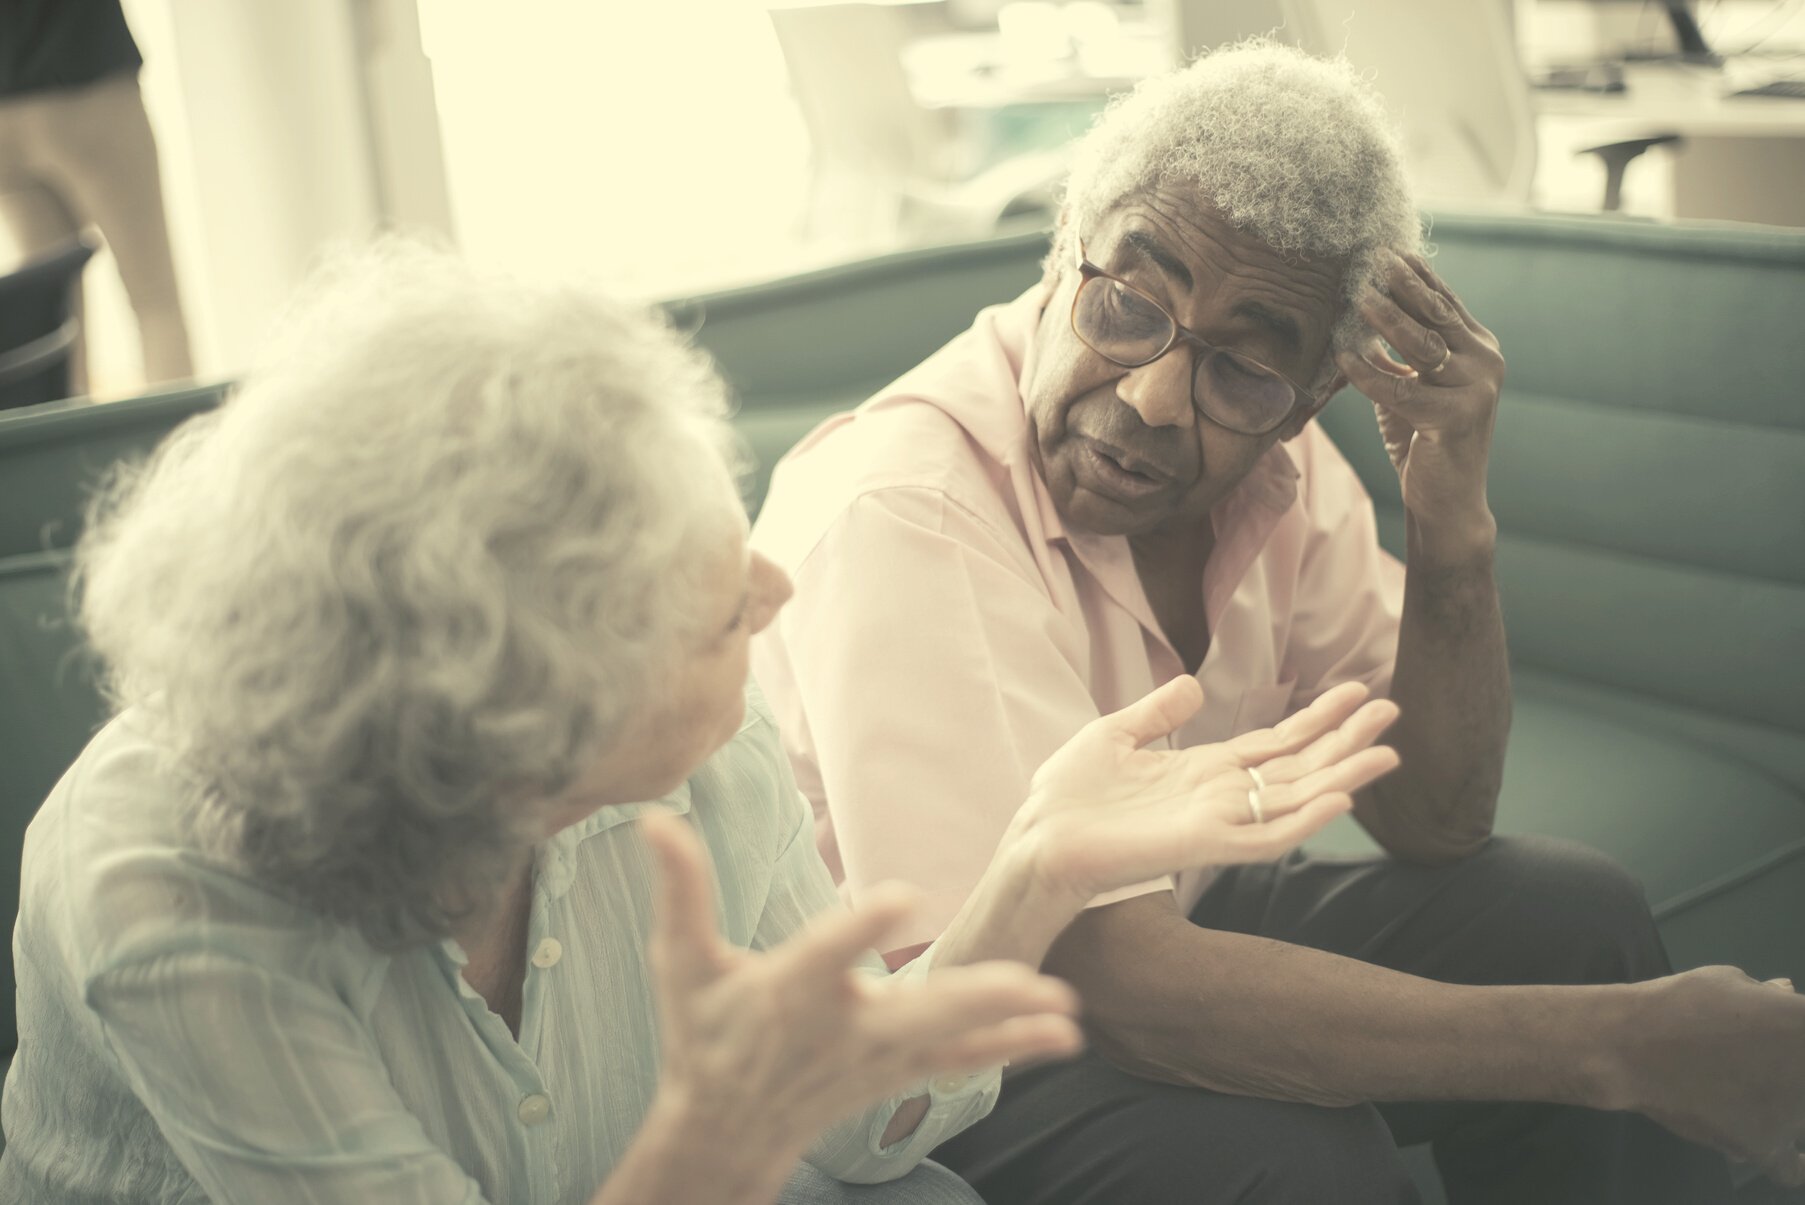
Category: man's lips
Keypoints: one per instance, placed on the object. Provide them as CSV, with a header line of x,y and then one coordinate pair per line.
x,y
1111,468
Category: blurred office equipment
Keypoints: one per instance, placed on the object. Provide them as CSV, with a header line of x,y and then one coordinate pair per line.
x,y
1732,97
1743,158
1691,38
40,326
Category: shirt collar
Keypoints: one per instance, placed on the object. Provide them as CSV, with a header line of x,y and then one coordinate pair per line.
x,y
555,863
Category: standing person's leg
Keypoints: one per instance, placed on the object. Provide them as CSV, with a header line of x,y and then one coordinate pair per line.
x,y
928,1184
1522,910
1085,1133
35,217
95,147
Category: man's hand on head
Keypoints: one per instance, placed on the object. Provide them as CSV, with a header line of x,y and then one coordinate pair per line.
x,y
1436,402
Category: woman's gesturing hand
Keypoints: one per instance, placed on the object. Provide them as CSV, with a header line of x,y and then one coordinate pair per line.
x,y
774,1047
1106,811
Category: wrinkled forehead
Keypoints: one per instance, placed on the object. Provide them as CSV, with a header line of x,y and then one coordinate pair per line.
x,y
1198,255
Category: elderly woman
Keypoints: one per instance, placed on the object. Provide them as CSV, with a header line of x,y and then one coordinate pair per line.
x,y
347,904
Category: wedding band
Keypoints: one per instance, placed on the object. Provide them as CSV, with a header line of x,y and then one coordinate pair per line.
x,y
1253,796
1447,354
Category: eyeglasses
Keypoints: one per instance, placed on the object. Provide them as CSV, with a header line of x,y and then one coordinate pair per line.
x,y
1128,328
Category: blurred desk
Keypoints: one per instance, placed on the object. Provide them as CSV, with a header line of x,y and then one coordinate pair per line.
x,y
1743,157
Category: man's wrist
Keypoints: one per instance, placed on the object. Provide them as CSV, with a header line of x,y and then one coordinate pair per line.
x,y
1455,538
1590,1039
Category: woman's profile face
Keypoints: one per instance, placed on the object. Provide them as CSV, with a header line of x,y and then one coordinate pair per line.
x,y
700,705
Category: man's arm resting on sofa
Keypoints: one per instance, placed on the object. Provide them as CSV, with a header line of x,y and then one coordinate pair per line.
x,y
1169,1000
1452,688
1711,1054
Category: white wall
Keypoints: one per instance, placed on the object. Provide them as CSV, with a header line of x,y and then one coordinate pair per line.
x,y
265,151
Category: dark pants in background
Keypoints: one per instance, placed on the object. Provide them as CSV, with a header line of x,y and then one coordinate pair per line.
x,y
1522,910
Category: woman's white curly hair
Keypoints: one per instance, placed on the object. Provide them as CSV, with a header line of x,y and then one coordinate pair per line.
x,y
1293,149
424,562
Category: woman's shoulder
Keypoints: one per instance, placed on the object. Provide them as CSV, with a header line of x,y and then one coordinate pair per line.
x,y
121,791
114,870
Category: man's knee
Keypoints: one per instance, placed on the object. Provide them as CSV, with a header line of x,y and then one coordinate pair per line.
x,y
1575,913
1259,1152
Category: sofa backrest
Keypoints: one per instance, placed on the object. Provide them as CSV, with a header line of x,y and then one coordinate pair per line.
x,y
52,456
1648,468
49,706
800,349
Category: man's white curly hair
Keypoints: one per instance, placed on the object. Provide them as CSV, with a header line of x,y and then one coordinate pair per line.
x,y
426,561
1293,149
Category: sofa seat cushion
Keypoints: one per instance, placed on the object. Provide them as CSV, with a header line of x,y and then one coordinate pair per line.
x,y
1710,834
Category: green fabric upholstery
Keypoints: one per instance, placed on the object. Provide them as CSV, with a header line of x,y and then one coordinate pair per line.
x,y
48,710
52,456
1648,474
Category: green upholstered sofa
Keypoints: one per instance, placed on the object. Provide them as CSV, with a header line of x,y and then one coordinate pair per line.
x,y
1648,476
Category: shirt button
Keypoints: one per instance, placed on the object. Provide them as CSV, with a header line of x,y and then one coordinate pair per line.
x,y
946,1085
548,953
535,1109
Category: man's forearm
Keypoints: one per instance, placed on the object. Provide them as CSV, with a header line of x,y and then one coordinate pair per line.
x,y
1452,688
1168,1000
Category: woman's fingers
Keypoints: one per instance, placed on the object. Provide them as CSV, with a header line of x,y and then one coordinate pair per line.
x,y
1017,1040
1297,731
1354,734
833,941
956,1002
1344,776
683,931
1280,835
1156,713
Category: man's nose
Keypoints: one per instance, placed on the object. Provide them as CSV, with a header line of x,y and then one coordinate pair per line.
x,y
1160,392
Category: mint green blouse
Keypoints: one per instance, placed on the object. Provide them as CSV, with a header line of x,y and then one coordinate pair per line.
x,y
185,1035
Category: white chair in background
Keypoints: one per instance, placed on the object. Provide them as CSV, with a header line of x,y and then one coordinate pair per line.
x,y
884,166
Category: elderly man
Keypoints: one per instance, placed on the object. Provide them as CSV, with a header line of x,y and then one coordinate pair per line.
x,y
1113,481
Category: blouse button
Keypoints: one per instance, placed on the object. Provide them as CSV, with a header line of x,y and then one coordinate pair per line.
x,y
548,953
535,1109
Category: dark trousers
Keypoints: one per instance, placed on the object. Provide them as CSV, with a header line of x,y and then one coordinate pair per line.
x,y
1522,910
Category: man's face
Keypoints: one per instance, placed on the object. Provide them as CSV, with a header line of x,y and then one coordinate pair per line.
x,y
1124,450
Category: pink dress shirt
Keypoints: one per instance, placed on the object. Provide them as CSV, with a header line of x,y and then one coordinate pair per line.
x,y
948,631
